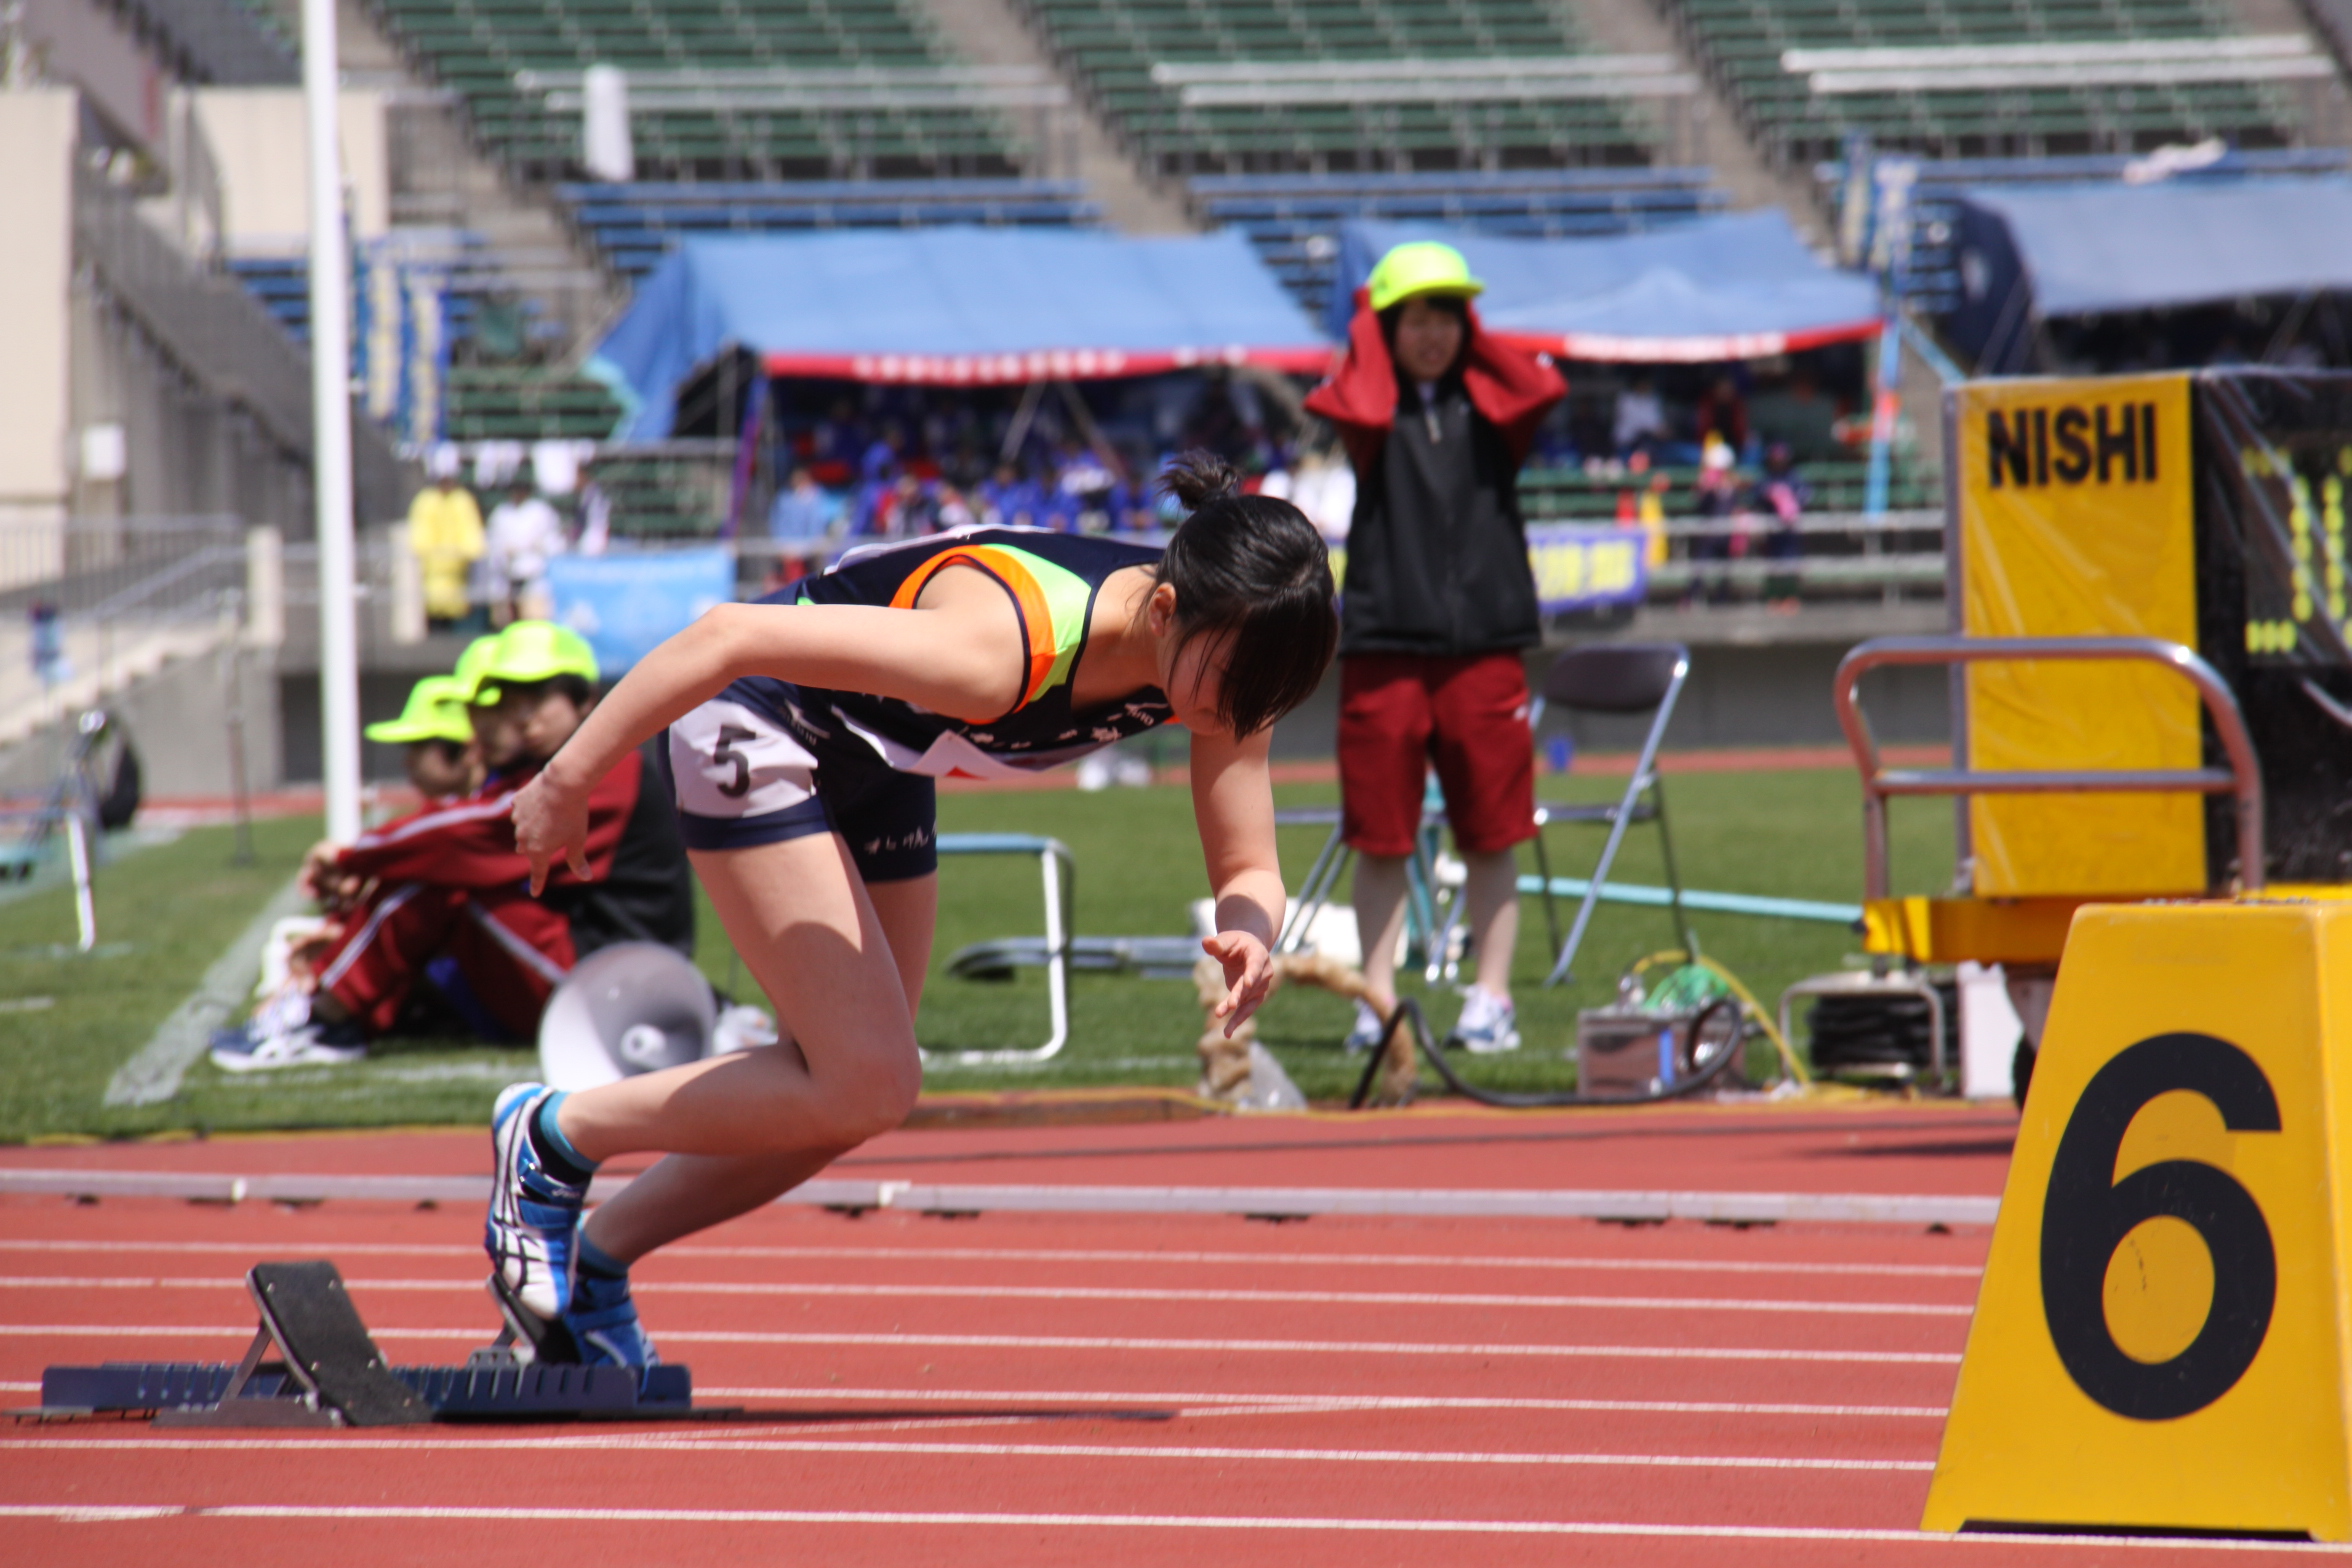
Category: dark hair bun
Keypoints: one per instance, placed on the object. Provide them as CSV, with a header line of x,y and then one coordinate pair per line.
x,y
1196,478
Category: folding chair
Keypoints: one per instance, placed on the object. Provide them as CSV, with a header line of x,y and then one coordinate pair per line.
x,y
1626,677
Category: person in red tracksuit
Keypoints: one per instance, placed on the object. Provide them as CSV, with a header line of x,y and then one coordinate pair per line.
x,y
441,894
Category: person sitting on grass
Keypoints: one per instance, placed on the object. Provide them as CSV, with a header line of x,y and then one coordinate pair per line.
x,y
438,895
806,734
443,760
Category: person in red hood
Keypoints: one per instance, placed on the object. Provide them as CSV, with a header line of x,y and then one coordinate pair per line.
x,y
1436,606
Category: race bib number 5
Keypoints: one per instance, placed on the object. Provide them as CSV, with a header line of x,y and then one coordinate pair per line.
x,y
731,761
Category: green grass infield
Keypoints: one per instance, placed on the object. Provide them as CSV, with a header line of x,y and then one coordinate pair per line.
x,y
167,911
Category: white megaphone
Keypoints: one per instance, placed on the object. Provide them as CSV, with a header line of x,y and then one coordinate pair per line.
x,y
634,1007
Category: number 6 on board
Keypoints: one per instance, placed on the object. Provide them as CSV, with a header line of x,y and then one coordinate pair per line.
x,y
2158,1342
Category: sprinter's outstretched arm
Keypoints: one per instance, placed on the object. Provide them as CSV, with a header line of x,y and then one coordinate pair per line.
x,y
1233,804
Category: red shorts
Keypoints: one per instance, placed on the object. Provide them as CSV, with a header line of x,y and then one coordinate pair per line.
x,y
1399,713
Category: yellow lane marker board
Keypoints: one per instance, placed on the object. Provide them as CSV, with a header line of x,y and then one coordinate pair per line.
x,y
2160,1341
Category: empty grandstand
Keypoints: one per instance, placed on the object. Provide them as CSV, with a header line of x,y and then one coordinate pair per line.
x,y
1997,78
770,89
1224,86
634,224
1294,219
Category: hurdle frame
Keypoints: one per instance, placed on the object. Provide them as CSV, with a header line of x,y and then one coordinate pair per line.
x,y
1059,871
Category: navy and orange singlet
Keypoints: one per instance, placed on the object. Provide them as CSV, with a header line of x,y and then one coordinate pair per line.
x,y
768,760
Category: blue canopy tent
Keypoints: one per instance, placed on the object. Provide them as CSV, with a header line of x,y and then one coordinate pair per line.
x,y
955,306
2027,254
1735,286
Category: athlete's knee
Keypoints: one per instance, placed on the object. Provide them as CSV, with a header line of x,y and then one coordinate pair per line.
x,y
871,1096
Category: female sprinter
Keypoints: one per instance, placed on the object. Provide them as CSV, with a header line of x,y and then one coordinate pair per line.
x,y
806,736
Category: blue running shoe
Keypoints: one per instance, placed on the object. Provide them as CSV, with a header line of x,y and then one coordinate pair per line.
x,y
533,1216
602,1321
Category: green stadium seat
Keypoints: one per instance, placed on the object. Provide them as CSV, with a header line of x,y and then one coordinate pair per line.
x,y
1741,41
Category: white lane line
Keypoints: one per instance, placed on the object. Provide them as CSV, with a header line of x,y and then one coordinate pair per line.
x,y
406,1513
1321,1298
1344,1347
688,1443
1309,1404
920,1254
1324,1456
91,1513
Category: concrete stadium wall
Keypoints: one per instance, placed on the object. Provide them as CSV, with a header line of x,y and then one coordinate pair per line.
x,y
178,718
257,138
38,129
381,694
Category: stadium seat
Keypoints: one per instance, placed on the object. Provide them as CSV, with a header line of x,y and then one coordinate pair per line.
x,y
1741,43
635,225
1112,46
478,46
1293,219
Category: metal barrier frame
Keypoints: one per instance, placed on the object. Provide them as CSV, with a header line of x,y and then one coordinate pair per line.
x,y
1060,872
2242,778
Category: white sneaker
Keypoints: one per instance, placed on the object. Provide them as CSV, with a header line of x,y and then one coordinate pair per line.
x,y
1489,1025
254,1048
1366,1034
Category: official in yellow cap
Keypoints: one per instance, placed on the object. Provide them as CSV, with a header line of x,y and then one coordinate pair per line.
x,y
437,727
1438,603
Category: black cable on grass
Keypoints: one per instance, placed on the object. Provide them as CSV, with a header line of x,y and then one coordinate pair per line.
x,y
1409,1008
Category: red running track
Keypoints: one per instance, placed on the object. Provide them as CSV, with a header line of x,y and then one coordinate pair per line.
x,y
1097,1389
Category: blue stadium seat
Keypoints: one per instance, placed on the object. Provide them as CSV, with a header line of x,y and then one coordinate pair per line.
x,y
1292,219
635,225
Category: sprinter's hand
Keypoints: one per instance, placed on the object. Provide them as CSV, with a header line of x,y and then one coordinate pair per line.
x,y
551,824
1249,975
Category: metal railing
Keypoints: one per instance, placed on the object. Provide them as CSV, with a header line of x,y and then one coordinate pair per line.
x,y
157,568
2242,778
1839,553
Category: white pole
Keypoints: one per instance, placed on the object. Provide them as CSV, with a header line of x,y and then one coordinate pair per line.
x,y
77,843
330,398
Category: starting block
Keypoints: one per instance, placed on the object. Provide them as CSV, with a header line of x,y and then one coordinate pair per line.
x,y
313,1363
2160,1343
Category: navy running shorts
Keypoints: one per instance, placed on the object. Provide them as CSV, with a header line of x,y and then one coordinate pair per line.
x,y
765,761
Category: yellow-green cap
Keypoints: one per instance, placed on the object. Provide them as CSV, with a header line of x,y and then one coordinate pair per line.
x,y
471,664
436,711
533,651
1421,267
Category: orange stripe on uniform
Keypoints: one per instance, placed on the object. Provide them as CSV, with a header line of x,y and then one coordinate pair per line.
x,y
1036,619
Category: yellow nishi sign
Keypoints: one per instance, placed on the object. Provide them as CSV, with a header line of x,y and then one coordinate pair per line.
x,y
2076,513
2159,1343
